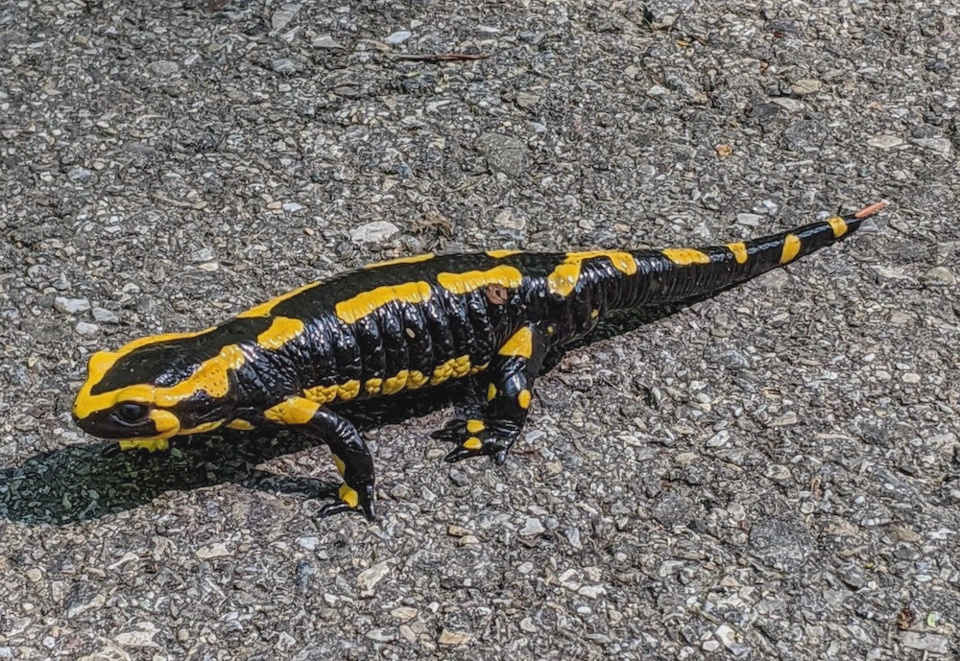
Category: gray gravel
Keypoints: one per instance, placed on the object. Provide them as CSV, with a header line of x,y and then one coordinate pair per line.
x,y
770,474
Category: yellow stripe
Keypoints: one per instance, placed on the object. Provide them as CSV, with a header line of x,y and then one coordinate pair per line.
x,y
791,246
281,331
464,283
520,344
500,254
401,260
264,309
240,425
563,280
361,305
293,411
686,256
739,251
838,225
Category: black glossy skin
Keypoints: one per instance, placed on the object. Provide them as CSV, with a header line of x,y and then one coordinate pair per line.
x,y
278,385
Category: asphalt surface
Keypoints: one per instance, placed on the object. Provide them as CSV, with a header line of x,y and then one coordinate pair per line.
x,y
769,474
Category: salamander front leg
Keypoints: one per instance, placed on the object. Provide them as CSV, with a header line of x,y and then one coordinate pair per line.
x,y
350,453
509,394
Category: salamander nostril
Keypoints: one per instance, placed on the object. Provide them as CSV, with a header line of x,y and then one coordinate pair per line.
x,y
130,412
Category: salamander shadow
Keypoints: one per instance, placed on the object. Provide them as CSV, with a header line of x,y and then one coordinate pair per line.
x,y
79,483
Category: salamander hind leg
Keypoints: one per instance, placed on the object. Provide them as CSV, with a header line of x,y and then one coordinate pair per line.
x,y
509,393
350,453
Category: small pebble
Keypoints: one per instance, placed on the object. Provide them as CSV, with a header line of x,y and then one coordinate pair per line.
x,y
86,328
70,305
398,37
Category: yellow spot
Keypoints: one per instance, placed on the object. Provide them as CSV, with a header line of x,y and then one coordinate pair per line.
x,y
349,496
451,369
348,390
149,444
686,256
473,443
293,411
520,344
338,462
475,426
401,260
263,310
564,277
321,394
395,383
491,392
372,386
476,369
416,380
551,330
281,331
791,246
464,283
739,251
240,425
523,399
838,225
594,314
500,254
361,305
200,429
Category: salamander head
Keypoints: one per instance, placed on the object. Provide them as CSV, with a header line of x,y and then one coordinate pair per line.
x,y
156,387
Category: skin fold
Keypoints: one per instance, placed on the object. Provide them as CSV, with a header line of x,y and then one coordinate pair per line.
x,y
407,324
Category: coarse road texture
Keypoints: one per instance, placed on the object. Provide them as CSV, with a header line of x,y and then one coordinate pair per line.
x,y
770,474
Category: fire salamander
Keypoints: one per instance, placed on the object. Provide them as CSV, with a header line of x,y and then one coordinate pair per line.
x,y
401,325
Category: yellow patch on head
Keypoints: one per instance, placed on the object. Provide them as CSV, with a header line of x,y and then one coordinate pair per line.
x,y
401,260
240,425
491,392
523,399
686,256
563,280
361,305
349,496
838,225
200,429
791,247
500,254
264,309
520,344
475,426
148,444
281,331
473,443
739,251
293,411
102,362
464,283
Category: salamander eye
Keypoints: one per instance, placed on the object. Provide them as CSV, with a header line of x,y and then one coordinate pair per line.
x,y
130,412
